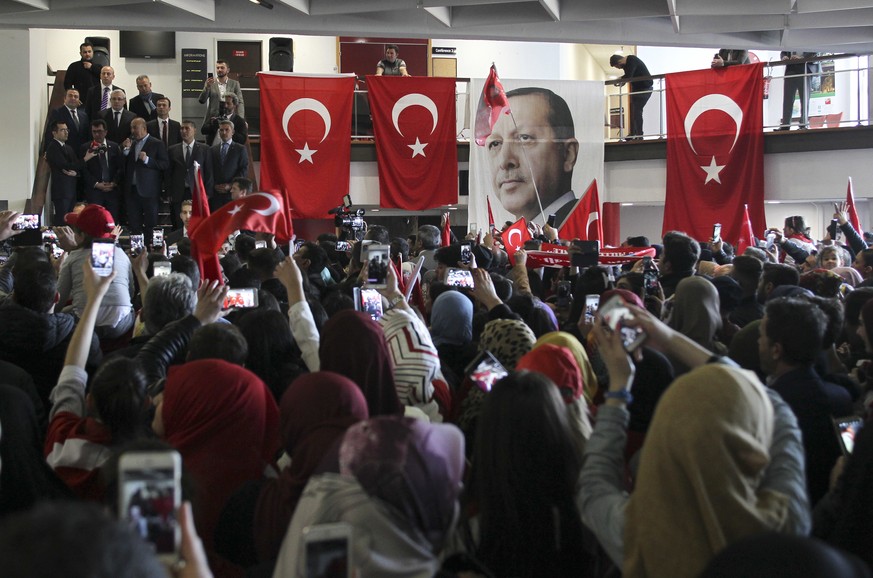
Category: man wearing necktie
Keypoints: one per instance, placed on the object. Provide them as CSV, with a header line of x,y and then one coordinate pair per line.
x,y
75,119
144,104
183,155
65,171
101,171
229,160
117,118
163,127
143,178
99,97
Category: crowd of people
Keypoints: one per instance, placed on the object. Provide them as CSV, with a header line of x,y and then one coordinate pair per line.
x,y
709,450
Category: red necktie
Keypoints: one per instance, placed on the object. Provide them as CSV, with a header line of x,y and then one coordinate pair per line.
x,y
164,133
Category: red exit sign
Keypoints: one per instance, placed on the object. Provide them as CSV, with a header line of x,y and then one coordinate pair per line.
x,y
240,53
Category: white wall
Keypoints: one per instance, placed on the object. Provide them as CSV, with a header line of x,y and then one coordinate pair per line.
x,y
513,59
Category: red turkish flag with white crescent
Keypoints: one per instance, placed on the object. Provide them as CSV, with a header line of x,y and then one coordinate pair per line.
x,y
715,150
414,126
262,212
584,220
514,236
306,139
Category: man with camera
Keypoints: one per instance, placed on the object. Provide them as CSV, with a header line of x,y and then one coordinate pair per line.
x,y
240,127
215,90
102,169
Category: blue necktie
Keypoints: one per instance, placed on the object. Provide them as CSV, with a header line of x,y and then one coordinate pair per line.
x,y
224,147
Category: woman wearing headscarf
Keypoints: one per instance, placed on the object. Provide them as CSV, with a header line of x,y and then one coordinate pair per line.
x,y
25,477
568,340
723,460
354,345
225,423
558,364
452,331
696,314
315,413
398,486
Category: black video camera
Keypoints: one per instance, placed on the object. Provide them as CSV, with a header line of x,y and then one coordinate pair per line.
x,y
352,222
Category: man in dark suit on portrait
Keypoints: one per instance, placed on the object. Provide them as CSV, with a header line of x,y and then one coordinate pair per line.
x,y
229,159
181,175
117,118
98,96
143,178
101,170
144,104
65,171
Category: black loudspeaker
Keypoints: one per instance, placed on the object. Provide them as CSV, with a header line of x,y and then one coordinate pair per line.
x,y
101,50
282,54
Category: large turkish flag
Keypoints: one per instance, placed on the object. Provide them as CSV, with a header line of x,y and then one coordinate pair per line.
x,y
414,125
715,151
306,139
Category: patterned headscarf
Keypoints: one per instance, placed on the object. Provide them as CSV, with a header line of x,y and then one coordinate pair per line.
x,y
508,340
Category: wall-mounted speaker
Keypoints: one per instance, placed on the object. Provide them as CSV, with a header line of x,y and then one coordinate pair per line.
x,y
101,50
282,54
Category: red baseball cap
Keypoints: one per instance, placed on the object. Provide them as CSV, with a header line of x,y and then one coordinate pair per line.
x,y
94,220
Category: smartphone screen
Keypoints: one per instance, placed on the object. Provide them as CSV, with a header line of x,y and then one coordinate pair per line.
x,y
716,231
103,256
614,314
459,278
377,265
158,238
260,244
343,246
347,201
485,371
172,251
466,253
328,551
25,222
564,293
137,244
369,301
650,276
162,268
149,496
847,431
592,303
244,298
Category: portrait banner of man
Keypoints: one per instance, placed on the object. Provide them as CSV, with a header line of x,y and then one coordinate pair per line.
x,y
559,134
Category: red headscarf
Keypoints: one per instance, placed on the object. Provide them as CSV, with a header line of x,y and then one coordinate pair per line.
x,y
225,423
353,345
315,412
628,296
559,365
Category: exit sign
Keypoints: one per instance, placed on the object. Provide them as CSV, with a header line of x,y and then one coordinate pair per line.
x,y
240,53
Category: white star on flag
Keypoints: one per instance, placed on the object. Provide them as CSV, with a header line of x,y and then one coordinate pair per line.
x,y
235,210
306,153
712,171
417,148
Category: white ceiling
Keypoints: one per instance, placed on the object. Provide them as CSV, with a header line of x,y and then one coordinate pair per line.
x,y
815,25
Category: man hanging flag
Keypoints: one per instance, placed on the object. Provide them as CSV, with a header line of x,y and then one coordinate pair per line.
x,y
514,236
747,235
207,261
414,125
492,102
850,208
262,212
306,139
584,220
715,150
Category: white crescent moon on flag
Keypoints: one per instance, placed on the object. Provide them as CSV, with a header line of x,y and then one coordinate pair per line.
x,y
509,237
411,100
306,104
713,102
273,208
591,218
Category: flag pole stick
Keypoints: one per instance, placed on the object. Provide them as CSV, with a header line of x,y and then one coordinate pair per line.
x,y
533,179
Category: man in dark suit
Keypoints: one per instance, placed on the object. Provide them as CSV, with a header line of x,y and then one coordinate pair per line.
x,y
163,127
71,115
144,104
229,160
143,177
795,82
240,126
101,170
98,98
117,118
181,232
182,158
82,74
65,171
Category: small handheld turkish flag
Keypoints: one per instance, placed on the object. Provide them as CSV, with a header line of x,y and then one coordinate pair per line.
x,y
584,220
492,102
514,236
850,208
260,212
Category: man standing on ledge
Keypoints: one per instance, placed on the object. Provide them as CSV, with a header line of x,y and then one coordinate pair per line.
x,y
640,90
547,133
391,65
